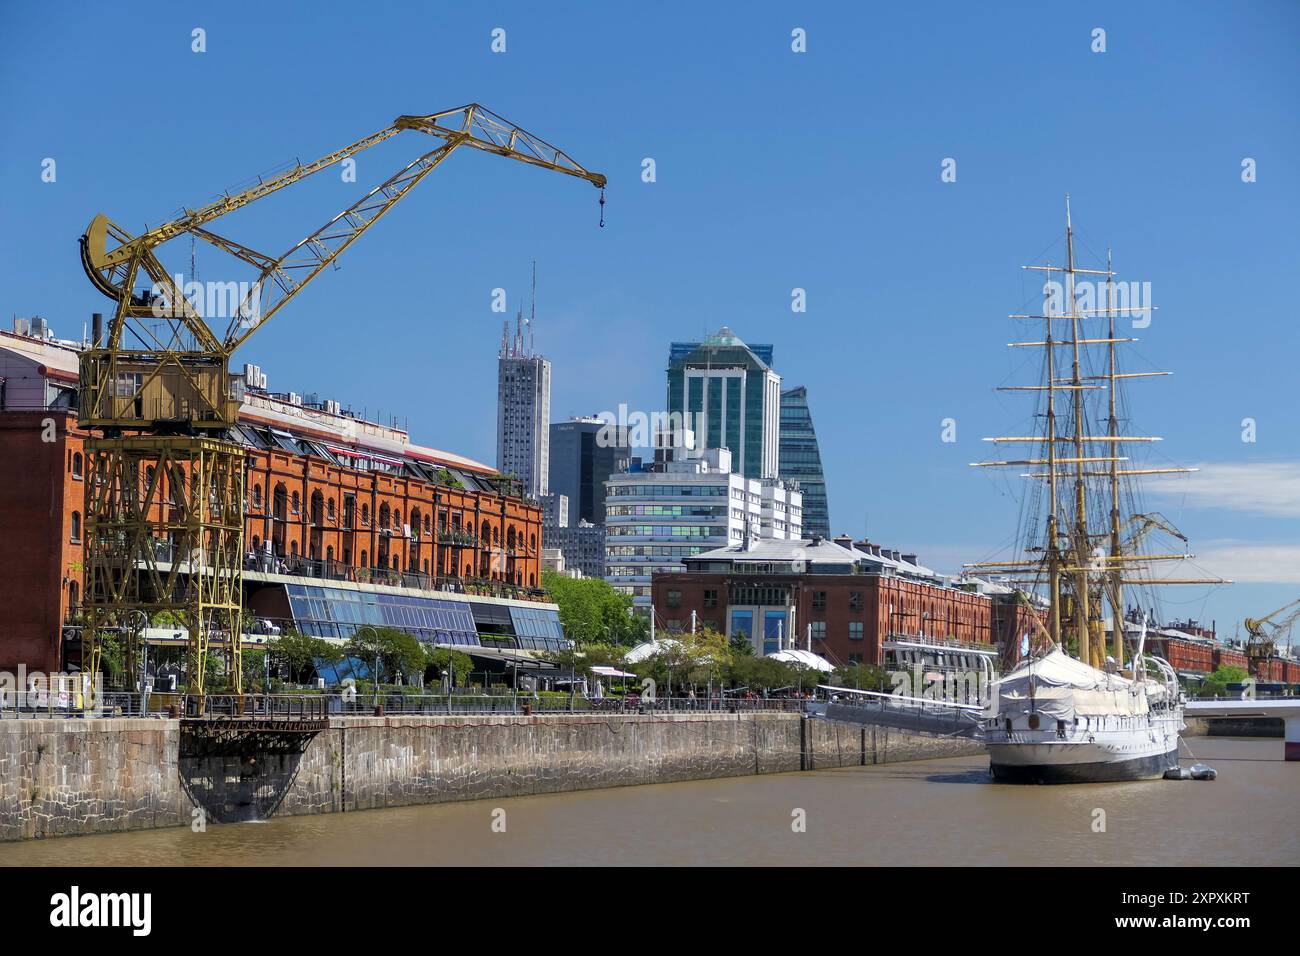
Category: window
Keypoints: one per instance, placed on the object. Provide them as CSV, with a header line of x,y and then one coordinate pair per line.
x,y
710,598
76,464
76,526
818,630
674,598
855,600
855,630
819,601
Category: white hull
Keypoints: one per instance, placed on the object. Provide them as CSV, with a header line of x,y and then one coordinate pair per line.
x,y
1144,749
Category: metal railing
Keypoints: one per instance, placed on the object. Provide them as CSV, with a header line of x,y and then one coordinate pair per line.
x,y
290,707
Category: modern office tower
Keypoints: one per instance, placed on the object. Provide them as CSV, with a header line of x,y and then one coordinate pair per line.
x,y
728,393
523,411
801,461
582,459
686,502
583,547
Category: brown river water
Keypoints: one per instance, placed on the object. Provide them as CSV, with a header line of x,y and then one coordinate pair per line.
x,y
935,812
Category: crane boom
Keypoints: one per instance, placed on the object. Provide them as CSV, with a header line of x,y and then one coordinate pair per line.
x,y
115,271
157,385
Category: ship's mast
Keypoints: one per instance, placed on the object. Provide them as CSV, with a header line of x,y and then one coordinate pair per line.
x,y
1071,564
1114,587
1081,549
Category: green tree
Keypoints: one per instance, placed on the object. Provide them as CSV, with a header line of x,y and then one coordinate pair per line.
x,y
591,611
299,653
1216,684
862,677
444,660
395,651
688,660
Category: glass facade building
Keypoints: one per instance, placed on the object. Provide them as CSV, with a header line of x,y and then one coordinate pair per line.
x,y
801,461
729,395
581,463
337,613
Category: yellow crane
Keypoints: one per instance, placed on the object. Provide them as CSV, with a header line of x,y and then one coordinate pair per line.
x,y
1263,634
164,513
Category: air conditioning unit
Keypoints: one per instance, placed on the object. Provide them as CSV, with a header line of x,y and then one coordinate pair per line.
x,y
254,377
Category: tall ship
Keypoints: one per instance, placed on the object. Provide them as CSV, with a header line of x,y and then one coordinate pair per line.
x,y
1085,701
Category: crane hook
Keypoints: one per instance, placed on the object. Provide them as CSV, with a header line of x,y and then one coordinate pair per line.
x,y
602,207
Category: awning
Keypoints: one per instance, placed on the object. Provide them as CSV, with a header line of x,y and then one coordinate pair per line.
x,y
601,670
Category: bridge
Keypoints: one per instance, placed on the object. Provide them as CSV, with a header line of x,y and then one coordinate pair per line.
x,y
1287,708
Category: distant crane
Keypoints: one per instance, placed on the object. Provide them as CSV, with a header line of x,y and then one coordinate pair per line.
x,y
164,511
1263,634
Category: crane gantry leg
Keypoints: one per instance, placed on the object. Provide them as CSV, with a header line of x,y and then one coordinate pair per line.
x,y
164,533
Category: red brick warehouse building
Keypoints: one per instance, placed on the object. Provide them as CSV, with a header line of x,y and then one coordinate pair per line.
x,y
329,495
850,602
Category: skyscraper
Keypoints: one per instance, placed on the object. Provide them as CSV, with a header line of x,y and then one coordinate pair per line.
x,y
523,411
581,464
730,396
801,460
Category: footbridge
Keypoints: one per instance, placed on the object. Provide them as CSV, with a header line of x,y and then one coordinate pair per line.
x,y
1287,708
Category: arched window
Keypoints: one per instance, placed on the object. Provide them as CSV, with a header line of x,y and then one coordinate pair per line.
x,y
76,526
293,548
329,554
365,515
317,508
296,506
365,559
329,509
76,464
257,496
280,502
532,542
384,515
74,595
427,526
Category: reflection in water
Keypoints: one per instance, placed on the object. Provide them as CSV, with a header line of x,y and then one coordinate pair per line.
x,y
928,812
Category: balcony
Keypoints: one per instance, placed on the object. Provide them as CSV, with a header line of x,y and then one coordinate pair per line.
x,y
457,539
389,577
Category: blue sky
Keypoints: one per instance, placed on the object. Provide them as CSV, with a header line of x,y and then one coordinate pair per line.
x,y
775,170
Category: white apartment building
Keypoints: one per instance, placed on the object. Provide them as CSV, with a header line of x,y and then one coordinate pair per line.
x,y
687,502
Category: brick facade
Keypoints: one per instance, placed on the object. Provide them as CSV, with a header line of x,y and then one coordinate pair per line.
x,y
857,613
42,499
